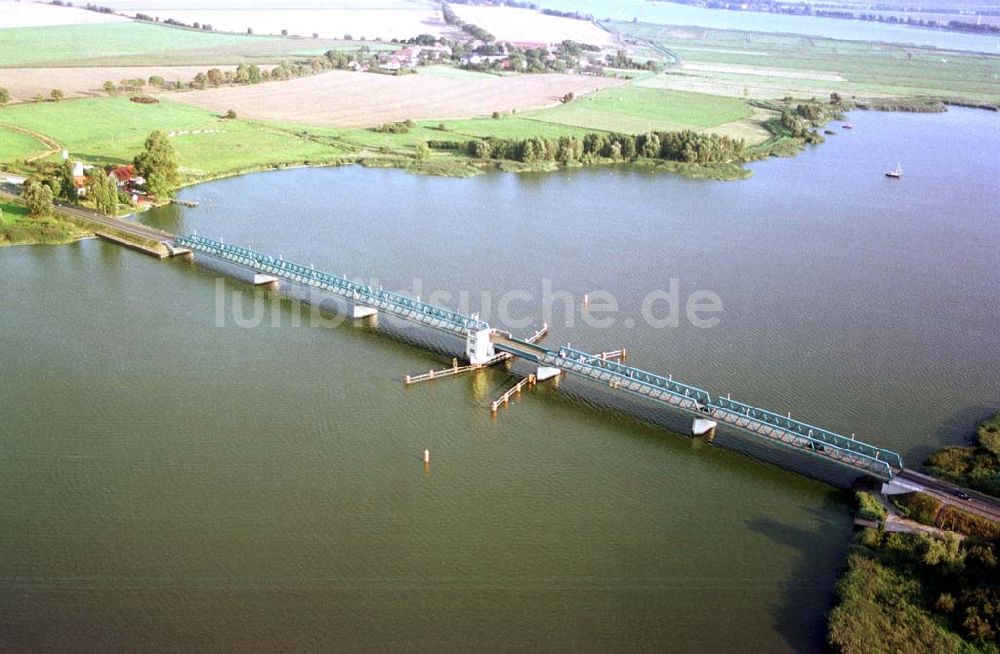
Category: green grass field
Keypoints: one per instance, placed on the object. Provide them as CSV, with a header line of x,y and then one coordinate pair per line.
x,y
18,228
511,127
455,130
636,109
866,68
15,146
137,43
70,44
12,213
112,130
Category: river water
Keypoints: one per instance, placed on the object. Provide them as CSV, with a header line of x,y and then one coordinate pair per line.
x,y
172,476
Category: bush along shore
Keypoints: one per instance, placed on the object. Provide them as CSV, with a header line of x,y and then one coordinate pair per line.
x,y
19,227
937,587
917,593
975,466
691,153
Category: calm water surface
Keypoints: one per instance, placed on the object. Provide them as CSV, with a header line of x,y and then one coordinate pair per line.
x,y
168,483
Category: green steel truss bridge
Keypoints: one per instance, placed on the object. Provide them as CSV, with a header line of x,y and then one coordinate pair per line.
x,y
483,345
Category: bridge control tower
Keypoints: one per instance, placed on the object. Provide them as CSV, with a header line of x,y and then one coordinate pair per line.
x,y
478,346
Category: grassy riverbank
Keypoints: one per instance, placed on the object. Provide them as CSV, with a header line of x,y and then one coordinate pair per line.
x,y
916,592
936,590
111,130
975,466
18,228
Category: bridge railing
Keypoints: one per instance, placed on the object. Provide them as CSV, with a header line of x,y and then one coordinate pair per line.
x,y
351,290
815,434
681,390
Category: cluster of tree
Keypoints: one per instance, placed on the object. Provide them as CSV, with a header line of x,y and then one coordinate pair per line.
x,y
133,85
575,49
420,39
568,14
4,96
622,60
97,8
474,31
342,60
395,128
976,466
529,60
37,197
685,146
984,28
157,163
254,74
800,121
917,593
870,508
176,23
103,190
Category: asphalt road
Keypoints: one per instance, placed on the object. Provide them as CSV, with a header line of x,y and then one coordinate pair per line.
x,y
978,503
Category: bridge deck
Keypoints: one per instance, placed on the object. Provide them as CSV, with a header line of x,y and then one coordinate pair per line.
x,y
781,430
362,294
769,426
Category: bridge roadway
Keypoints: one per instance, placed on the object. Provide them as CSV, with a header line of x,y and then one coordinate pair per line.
x,y
782,430
354,292
137,230
771,427
116,224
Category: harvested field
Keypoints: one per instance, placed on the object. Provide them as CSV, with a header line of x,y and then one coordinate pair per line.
x,y
26,83
24,14
509,24
344,99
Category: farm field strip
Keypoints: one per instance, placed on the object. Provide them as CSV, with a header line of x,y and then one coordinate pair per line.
x,y
26,83
388,20
16,145
819,66
112,130
143,44
346,99
638,109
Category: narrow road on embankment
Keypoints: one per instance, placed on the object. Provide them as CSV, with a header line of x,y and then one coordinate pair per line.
x,y
129,227
122,224
977,504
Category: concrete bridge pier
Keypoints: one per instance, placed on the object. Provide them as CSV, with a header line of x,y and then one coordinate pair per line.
x,y
260,279
544,373
479,347
360,311
704,427
177,251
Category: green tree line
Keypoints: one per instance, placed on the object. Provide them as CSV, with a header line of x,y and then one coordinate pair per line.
x,y
685,146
